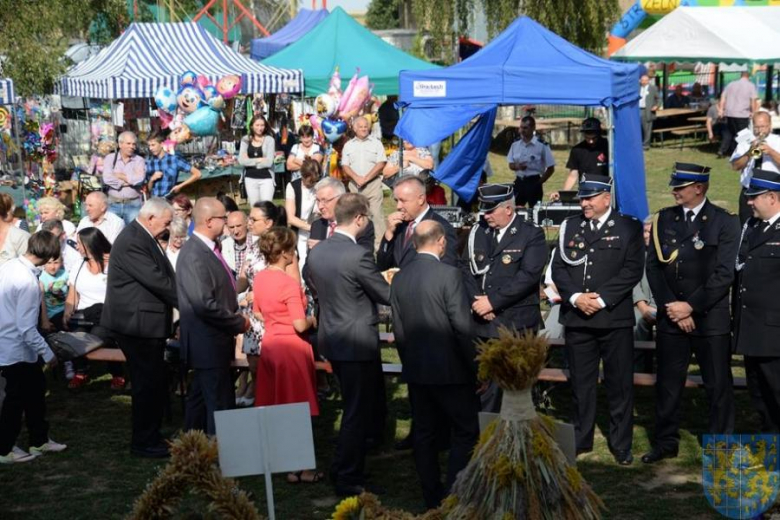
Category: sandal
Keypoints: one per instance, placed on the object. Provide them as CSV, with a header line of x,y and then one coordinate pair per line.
x,y
297,477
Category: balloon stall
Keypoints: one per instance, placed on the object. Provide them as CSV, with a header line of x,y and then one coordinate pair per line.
x,y
196,108
335,111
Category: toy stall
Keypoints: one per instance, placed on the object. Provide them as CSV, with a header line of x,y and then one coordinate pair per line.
x,y
11,172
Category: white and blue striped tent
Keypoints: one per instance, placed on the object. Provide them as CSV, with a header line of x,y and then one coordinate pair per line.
x,y
6,92
152,55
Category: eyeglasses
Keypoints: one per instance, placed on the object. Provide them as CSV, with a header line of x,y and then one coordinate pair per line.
x,y
325,201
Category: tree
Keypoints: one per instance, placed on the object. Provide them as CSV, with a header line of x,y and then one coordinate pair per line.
x,y
583,22
383,14
35,33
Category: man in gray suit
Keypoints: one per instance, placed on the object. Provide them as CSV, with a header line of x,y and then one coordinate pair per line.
x,y
432,324
349,286
209,317
649,103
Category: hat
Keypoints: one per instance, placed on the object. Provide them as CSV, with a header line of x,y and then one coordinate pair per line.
x,y
592,184
763,181
491,195
685,174
591,124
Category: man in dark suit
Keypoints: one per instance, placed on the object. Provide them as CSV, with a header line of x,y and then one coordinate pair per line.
x,y
328,191
502,269
599,260
690,269
396,248
210,318
138,310
349,286
757,309
432,325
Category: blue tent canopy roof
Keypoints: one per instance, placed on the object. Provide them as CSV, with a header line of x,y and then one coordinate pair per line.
x,y
6,92
526,64
148,56
304,21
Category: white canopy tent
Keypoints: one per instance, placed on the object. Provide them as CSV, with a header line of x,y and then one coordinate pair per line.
x,y
709,35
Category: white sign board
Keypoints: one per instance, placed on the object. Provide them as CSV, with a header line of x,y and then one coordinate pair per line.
x,y
563,434
429,89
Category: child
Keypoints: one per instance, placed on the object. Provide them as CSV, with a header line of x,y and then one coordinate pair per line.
x,y
54,285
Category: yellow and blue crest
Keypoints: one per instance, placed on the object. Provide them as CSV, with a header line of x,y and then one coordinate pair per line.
x,y
740,473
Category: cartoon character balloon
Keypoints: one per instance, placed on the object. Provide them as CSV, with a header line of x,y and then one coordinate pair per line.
x,y
229,86
189,78
190,99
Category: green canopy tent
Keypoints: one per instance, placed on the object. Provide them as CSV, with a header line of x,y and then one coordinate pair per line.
x,y
340,41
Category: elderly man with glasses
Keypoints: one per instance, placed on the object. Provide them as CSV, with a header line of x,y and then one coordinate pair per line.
x,y
328,191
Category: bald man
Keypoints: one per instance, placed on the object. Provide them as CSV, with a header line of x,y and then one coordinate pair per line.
x,y
210,319
97,215
742,159
362,161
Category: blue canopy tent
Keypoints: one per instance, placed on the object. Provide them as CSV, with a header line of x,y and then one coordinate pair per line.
x,y
304,21
526,64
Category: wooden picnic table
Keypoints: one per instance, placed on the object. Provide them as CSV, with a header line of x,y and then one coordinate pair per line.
x,y
542,124
698,119
674,112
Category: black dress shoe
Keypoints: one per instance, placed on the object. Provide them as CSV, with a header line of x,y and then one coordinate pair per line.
x,y
151,452
623,457
657,454
407,443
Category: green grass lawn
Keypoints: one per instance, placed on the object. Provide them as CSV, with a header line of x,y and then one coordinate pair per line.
x,y
97,478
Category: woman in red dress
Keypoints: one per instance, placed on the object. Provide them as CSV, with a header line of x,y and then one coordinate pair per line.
x,y
285,372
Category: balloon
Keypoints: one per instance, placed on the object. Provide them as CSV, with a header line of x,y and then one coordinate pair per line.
x,y
229,86
202,81
333,129
202,122
209,92
188,78
348,93
166,118
325,105
334,88
316,122
357,98
190,99
165,99
181,134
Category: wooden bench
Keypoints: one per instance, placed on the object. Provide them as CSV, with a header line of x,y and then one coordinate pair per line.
x,y
680,131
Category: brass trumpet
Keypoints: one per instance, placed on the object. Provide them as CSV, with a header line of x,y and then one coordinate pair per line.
x,y
754,151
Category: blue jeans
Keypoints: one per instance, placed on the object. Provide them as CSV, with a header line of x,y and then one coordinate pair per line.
x,y
126,210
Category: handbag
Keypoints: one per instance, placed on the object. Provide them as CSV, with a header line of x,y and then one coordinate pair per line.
x,y
71,345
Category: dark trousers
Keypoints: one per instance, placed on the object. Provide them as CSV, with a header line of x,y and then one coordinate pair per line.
x,y
763,380
361,383
25,394
732,127
585,347
673,352
528,190
647,126
211,390
146,366
744,210
460,405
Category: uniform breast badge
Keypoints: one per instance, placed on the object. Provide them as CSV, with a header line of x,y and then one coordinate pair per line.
x,y
506,259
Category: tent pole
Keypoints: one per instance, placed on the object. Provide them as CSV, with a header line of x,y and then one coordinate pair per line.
x,y
770,72
665,85
22,174
611,123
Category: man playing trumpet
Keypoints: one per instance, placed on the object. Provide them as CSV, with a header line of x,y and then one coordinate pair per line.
x,y
763,153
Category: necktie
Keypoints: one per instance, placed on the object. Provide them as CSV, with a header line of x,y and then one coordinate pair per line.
x,y
218,252
689,217
594,225
766,225
409,232
331,229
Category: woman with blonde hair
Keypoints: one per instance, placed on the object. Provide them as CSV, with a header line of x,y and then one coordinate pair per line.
x,y
50,208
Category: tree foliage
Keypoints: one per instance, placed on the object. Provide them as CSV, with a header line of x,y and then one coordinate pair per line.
x,y
582,22
383,14
35,33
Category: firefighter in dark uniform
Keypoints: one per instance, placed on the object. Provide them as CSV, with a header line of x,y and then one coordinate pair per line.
x,y
503,267
690,269
757,308
600,258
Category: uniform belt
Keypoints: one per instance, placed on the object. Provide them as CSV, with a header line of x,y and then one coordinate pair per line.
x,y
119,200
529,177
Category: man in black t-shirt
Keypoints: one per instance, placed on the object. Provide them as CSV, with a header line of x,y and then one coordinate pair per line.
x,y
388,117
591,155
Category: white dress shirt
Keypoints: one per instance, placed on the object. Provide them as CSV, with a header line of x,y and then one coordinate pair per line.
x,y
501,231
695,210
20,307
773,141
109,224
